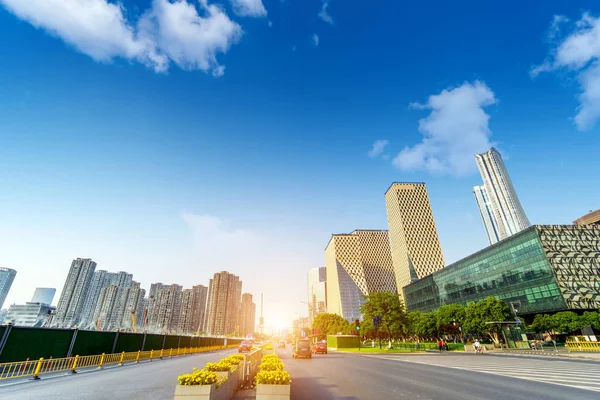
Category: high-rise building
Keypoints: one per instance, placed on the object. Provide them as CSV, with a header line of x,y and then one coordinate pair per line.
x,y
487,215
193,307
224,303
592,218
416,250
166,307
247,315
72,297
317,292
357,264
32,314
100,280
107,308
43,295
508,214
7,276
131,301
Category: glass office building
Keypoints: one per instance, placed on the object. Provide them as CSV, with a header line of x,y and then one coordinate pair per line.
x,y
544,268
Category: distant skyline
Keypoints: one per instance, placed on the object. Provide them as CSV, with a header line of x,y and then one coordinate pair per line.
x,y
174,155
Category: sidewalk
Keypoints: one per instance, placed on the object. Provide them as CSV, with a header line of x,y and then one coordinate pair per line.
x,y
564,354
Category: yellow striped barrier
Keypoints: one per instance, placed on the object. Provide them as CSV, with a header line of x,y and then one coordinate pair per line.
x,y
35,368
573,345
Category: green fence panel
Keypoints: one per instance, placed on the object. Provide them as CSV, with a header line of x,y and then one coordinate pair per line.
x,y
90,343
185,341
153,342
171,342
195,341
129,342
35,343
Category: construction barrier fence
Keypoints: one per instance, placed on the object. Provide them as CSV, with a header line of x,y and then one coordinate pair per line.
x,y
573,345
35,368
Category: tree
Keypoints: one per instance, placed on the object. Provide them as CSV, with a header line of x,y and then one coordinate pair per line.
x,y
330,324
389,307
566,322
489,310
422,324
450,317
591,318
543,323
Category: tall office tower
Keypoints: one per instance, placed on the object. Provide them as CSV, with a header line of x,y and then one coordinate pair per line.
x,y
508,214
487,215
7,276
43,295
317,292
72,297
131,300
357,264
106,309
166,308
247,315
224,303
416,250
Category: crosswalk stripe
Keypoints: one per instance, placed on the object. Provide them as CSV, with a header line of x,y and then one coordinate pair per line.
x,y
558,372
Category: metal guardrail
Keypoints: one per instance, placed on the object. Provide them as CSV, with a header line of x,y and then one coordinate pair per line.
x,y
35,368
573,345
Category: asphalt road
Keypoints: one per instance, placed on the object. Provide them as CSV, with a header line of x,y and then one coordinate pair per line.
x,y
349,377
147,380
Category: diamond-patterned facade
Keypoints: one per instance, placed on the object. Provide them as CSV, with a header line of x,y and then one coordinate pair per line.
x,y
415,246
357,264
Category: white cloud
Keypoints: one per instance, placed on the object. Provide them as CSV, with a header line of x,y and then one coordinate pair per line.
x,y
249,8
579,52
455,130
219,71
168,31
377,148
323,13
315,39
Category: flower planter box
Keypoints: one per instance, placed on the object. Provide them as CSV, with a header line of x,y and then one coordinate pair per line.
x,y
273,392
195,392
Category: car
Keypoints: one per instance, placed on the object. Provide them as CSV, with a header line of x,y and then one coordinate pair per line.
x,y
320,347
281,344
245,347
301,349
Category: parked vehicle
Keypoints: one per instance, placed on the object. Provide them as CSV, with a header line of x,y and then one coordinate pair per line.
x,y
281,344
320,347
301,349
245,347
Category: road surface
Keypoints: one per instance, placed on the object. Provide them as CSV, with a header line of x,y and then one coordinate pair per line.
x,y
148,380
447,376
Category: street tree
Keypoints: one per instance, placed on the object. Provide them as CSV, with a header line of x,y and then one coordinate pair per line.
x,y
566,322
423,325
478,314
389,307
450,318
330,324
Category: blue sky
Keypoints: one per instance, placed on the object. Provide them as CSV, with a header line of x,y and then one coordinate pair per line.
x,y
159,137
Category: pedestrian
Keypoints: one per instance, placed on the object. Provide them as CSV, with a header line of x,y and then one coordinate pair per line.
x,y
440,344
444,345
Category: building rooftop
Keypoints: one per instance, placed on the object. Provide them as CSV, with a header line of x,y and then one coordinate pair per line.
x,y
404,183
593,217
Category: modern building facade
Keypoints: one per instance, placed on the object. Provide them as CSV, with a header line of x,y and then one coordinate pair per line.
x,y
592,218
487,215
415,246
357,264
247,317
7,276
32,314
43,295
508,214
72,297
317,292
542,269
224,303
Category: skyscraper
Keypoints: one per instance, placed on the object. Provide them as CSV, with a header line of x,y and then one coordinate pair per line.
x,y
43,295
247,315
487,215
70,304
357,264
224,303
100,280
508,214
131,300
416,250
106,308
317,292
7,276
166,308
